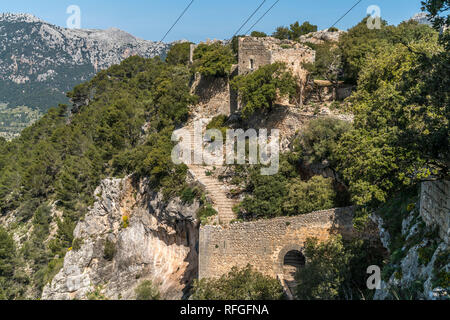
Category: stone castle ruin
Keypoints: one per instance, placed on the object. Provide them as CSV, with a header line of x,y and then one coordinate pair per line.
x,y
274,247
257,52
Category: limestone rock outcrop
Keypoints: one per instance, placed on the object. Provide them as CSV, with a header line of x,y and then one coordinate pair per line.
x,y
130,235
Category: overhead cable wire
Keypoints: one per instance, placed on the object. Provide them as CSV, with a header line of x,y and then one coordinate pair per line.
x,y
251,16
358,2
265,13
175,23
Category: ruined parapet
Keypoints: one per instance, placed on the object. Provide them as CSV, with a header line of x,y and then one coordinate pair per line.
x,y
435,206
265,243
257,52
322,36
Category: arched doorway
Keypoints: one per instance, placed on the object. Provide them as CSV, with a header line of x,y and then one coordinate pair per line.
x,y
292,262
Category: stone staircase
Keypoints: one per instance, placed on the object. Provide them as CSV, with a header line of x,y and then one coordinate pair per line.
x,y
214,188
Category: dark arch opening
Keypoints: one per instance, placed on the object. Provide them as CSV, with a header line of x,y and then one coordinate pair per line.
x,y
294,258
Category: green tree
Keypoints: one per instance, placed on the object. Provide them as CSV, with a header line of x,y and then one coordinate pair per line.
x,y
325,271
179,54
238,284
259,90
434,8
281,33
319,141
213,60
395,125
307,196
335,269
7,254
258,34
297,30
327,65
146,291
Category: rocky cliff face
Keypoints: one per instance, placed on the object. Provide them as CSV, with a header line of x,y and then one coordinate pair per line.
x,y
422,265
129,236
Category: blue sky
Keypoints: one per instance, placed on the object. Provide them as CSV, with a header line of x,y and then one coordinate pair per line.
x,y
213,19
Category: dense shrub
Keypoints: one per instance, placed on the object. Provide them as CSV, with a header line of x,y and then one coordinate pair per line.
x,y
146,291
179,54
259,90
213,60
336,269
238,284
308,196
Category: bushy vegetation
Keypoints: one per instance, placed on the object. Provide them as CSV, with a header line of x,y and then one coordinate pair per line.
x,y
62,161
238,284
294,31
179,54
336,269
213,60
289,193
259,90
146,291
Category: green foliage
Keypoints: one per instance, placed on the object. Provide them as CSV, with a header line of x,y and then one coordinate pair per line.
x,y
308,196
281,33
97,294
7,254
77,243
426,253
146,291
179,54
327,65
110,250
213,60
218,123
319,141
259,90
258,34
238,284
335,269
63,160
295,31
360,42
324,273
394,126
189,194
298,30
205,212
434,8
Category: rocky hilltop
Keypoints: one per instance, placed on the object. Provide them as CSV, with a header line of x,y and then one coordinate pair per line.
x,y
40,62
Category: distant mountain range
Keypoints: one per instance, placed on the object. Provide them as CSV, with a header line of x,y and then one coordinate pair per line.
x,y
422,18
40,62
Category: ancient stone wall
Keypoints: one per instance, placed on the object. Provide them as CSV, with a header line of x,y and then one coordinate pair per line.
x,y
257,52
435,206
252,55
265,243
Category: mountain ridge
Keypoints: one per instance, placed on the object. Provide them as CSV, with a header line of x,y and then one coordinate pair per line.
x,y
40,62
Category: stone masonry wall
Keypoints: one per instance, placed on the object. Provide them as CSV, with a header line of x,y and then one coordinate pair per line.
x,y
435,206
257,52
264,243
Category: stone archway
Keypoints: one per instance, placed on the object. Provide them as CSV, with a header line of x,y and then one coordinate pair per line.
x,y
290,259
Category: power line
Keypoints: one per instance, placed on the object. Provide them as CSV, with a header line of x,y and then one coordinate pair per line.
x,y
265,13
346,13
254,12
181,15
